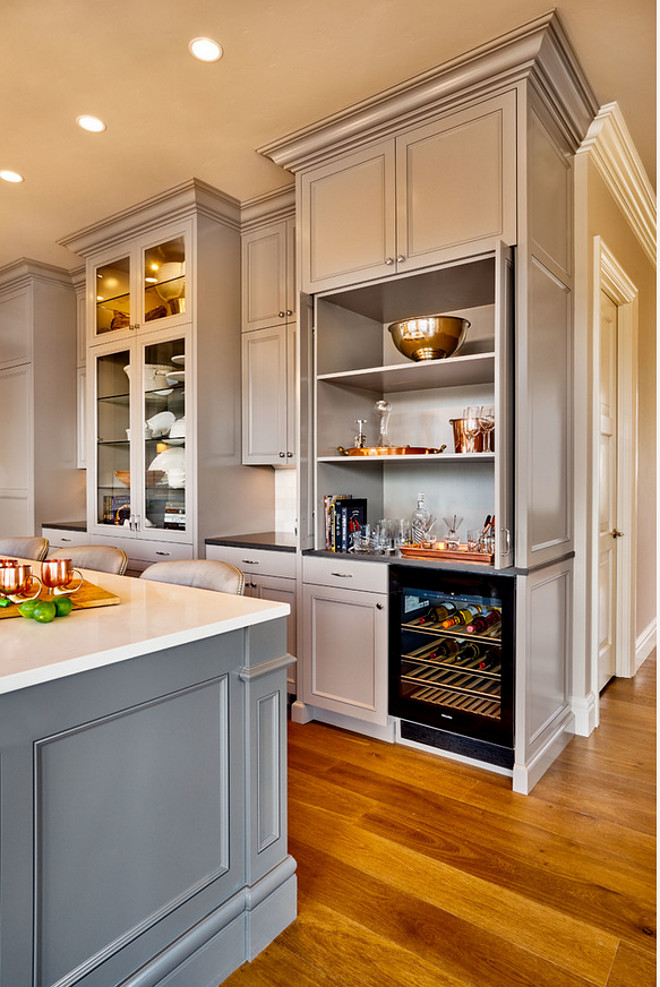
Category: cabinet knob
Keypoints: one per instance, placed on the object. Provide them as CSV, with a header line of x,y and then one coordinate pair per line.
x,y
389,260
289,311
289,455
379,606
281,455
400,259
281,315
617,534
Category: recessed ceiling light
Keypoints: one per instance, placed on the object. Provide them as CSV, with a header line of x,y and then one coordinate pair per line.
x,y
205,49
92,124
11,176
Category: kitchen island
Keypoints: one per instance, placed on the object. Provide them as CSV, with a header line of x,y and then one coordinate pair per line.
x,y
143,789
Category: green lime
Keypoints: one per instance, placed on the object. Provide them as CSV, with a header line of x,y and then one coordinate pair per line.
x,y
26,609
44,612
4,602
64,606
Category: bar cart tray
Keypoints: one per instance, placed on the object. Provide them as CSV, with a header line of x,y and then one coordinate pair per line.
x,y
461,554
390,451
87,596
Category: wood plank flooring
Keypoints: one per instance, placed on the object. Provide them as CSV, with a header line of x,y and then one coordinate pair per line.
x,y
417,871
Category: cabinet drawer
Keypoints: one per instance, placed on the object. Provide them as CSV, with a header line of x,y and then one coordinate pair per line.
x,y
146,552
349,574
255,560
63,538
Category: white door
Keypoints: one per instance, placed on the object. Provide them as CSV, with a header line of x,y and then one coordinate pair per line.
x,y
607,501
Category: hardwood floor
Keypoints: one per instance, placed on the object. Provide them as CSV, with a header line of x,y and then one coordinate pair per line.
x,y
413,870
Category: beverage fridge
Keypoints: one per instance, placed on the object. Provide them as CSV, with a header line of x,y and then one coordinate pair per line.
x,y
451,660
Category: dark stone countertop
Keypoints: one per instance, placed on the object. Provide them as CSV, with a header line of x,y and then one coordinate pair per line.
x,y
66,525
277,541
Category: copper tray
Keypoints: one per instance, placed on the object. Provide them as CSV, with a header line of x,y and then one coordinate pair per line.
x,y
391,451
460,554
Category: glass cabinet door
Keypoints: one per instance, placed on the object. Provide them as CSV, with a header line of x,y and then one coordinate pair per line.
x,y
113,447
165,280
164,438
112,296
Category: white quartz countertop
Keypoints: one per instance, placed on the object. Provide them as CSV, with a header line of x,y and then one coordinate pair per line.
x,y
150,617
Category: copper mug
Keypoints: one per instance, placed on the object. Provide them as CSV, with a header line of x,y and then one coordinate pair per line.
x,y
8,563
17,582
59,576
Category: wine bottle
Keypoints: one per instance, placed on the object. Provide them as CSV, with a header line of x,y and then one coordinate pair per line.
x,y
436,614
490,659
462,616
483,621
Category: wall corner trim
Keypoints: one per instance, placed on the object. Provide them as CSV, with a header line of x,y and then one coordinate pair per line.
x,y
610,146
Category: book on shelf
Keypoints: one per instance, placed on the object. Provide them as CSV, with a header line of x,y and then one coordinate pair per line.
x,y
350,515
329,517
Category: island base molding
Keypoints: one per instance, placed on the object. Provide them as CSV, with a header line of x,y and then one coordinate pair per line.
x,y
232,934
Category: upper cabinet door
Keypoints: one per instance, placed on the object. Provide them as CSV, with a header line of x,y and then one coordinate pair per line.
x,y
348,231
268,276
456,184
140,285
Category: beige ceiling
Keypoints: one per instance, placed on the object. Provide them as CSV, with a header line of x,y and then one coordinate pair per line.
x,y
287,64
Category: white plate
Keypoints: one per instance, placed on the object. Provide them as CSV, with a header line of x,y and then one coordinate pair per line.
x,y
175,376
161,423
179,359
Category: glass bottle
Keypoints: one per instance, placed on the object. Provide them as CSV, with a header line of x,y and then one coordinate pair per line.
x,y
462,616
419,521
483,621
436,615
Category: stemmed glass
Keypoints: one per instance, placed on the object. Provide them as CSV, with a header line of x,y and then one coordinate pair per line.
x,y
453,524
471,426
487,425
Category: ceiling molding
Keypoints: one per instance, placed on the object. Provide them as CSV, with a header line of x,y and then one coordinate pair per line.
x,y
270,207
25,271
538,49
609,145
193,196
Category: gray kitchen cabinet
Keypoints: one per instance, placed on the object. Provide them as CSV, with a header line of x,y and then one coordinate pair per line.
x,y
401,199
268,396
343,672
269,575
268,295
163,295
38,475
429,193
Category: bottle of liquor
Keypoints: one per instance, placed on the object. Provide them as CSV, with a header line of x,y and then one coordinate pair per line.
x,y
483,621
462,616
436,615
420,521
468,652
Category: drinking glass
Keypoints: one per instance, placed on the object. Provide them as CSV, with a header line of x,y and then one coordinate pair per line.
x,y
487,425
471,427
59,575
453,524
17,581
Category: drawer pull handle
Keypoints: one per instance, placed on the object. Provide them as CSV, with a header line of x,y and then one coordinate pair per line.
x,y
342,575
249,562
162,553
66,539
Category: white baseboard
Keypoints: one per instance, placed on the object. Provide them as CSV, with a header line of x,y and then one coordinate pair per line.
x,y
373,730
585,712
525,776
645,643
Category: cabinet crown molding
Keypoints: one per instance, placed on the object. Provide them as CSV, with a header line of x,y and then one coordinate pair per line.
x,y
270,207
25,270
193,197
538,50
609,145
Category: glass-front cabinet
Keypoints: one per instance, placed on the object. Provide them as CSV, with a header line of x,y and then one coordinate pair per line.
x,y
144,286
141,460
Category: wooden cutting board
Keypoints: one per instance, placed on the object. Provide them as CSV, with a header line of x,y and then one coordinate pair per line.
x,y
87,596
